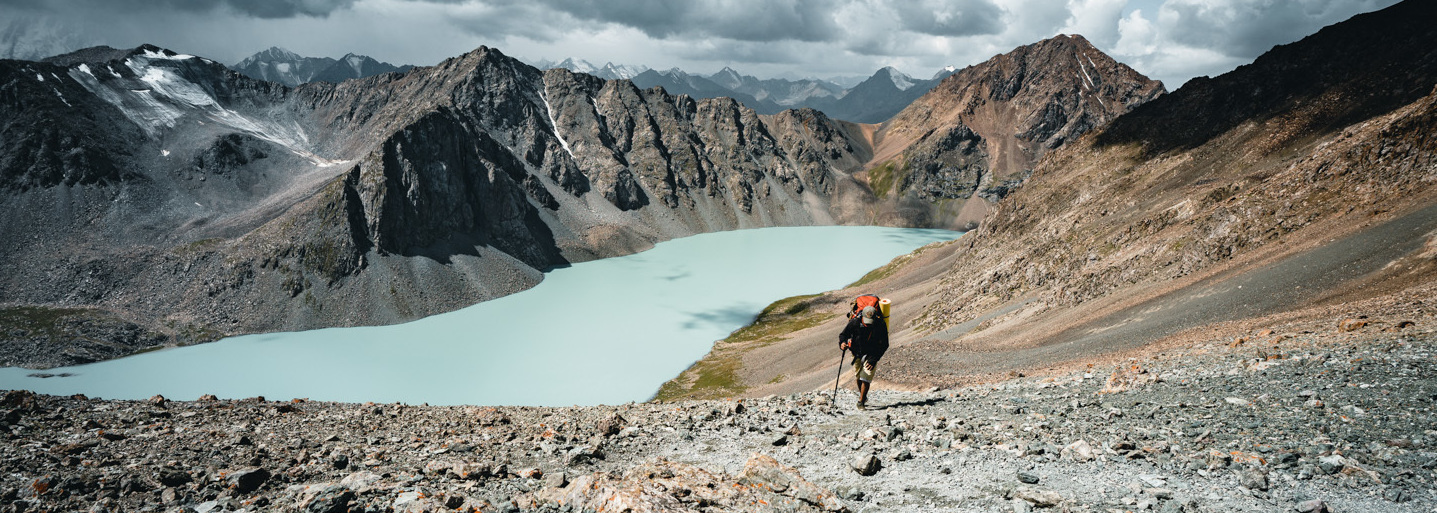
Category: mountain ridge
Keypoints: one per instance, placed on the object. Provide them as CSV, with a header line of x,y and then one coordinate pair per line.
x,y
277,64
214,203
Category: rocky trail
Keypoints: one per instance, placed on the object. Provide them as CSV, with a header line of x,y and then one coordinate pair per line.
x,y
1306,416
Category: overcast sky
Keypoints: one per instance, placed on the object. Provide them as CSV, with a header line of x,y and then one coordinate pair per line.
x,y
1170,40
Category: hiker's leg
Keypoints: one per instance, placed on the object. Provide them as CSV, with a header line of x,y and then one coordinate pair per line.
x,y
863,391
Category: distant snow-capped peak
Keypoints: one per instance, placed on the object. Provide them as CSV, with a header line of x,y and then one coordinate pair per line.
x,y
577,66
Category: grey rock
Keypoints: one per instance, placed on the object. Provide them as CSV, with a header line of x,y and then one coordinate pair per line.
x,y
611,425
1397,494
1312,506
1040,497
1027,477
866,465
1253,480
328,499
1331,464
556,480
247,480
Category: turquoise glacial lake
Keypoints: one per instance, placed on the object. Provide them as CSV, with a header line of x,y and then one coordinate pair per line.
x,y
603,332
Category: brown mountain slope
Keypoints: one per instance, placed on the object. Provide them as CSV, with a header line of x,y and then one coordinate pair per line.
x,y
1115,244
980,131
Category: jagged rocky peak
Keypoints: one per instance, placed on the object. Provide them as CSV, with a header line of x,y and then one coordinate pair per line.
x,y
980,131
273,53
727,77
280,65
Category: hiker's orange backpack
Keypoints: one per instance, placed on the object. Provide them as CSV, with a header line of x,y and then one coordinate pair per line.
x,y
861,302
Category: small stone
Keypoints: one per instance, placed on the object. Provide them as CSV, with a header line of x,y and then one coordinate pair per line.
x,y
1040,497
867,465
556,480
781,441
1021,506
852,493
1159,493
471,471
173,477
1027,477
361,482
158,400
1253,480
1078,451
1238,401
1312,506
611,425
1330,464
1351,325
208,398
248,480
327,498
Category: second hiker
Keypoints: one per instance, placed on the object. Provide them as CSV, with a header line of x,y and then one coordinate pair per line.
x,y
867,337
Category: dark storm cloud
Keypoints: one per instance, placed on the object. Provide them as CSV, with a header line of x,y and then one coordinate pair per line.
x,y
744,20
1246,29
502,18
265,9
750,52
950,18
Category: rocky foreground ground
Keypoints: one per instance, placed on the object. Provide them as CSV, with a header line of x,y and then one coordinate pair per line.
x,y
1305,418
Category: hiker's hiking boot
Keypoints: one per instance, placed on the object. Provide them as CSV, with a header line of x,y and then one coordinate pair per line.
x,y
861,405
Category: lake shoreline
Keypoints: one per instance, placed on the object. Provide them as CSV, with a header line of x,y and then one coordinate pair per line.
x,y
684,294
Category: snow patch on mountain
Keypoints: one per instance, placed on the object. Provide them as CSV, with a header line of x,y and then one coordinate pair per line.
x,y
159,98
356,63
901,81
549,111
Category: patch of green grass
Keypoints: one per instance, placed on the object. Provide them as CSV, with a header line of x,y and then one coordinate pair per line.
x,y
883,177
716,375
709,378
893,265
778,379
779,318
197,246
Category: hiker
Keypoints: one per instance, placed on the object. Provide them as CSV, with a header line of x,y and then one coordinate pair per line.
x,y
867,336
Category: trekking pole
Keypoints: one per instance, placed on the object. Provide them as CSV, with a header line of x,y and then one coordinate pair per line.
x,y
841,353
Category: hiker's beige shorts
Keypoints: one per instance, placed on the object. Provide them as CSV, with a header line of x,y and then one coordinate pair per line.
x,y
864,370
